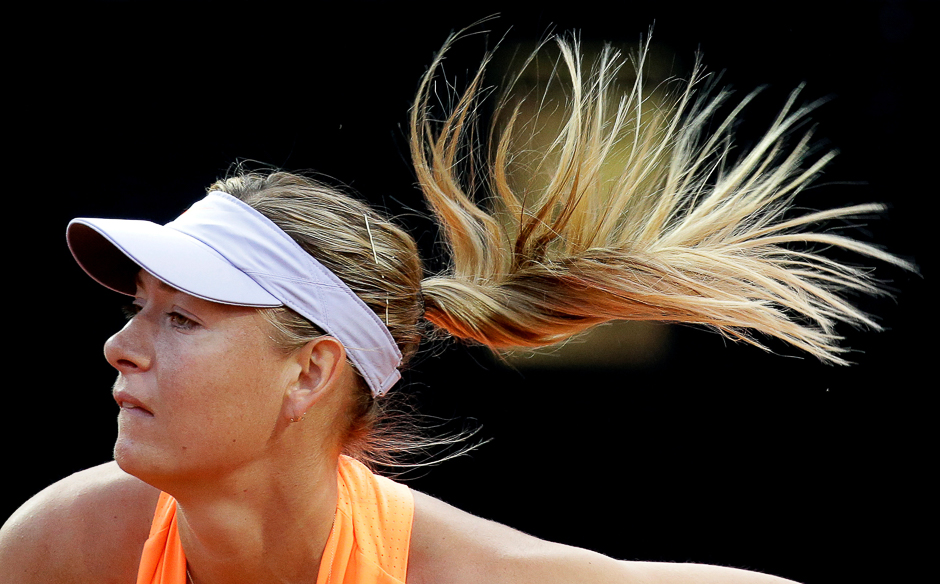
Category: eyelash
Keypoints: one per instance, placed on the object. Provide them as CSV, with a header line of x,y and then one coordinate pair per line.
x,y
130,310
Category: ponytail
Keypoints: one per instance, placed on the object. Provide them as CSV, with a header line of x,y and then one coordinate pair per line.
x,y
681,233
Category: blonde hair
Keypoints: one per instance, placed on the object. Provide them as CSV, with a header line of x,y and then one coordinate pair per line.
x,y
678,231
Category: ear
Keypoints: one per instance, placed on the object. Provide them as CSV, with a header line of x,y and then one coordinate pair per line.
x,y
322,365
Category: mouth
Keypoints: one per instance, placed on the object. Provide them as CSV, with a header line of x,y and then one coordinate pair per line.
x,y
130,404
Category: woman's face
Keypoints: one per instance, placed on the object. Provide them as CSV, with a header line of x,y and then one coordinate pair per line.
x,y
201,385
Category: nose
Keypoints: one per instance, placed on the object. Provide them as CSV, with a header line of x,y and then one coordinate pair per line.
x,y
126,351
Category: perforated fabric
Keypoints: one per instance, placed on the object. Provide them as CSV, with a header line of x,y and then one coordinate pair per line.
x,y
369,542
372,532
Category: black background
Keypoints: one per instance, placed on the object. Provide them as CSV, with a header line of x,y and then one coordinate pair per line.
x,y
716,453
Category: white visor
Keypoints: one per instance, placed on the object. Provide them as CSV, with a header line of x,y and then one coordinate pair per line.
x,y
224,251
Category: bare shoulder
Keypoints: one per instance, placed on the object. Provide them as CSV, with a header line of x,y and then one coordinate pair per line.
x,y
89,527
450,546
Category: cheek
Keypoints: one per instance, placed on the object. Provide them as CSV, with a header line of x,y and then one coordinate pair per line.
x,y
218,406
234,398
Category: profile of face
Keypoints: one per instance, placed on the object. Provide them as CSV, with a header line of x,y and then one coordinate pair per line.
x,y
201,386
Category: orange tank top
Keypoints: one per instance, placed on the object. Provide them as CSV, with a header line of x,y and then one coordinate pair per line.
x,y
368,544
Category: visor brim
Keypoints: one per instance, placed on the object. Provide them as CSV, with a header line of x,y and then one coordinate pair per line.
x,y
113,251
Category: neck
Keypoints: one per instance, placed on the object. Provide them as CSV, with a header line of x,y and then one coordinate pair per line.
x,y
260,526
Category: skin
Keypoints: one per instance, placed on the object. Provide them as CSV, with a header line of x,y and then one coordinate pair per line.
x,y
206,407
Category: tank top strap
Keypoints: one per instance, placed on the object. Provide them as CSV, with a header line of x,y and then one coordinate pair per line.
x,y
163,560
371,535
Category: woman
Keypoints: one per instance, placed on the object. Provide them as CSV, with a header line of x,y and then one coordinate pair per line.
x,y
270,319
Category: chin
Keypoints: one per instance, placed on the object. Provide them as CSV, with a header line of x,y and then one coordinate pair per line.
x,y
130,459
143,462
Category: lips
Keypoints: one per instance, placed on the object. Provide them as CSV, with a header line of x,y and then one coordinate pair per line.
x,y
130,403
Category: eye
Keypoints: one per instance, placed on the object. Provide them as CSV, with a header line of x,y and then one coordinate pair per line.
x,y
181,322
